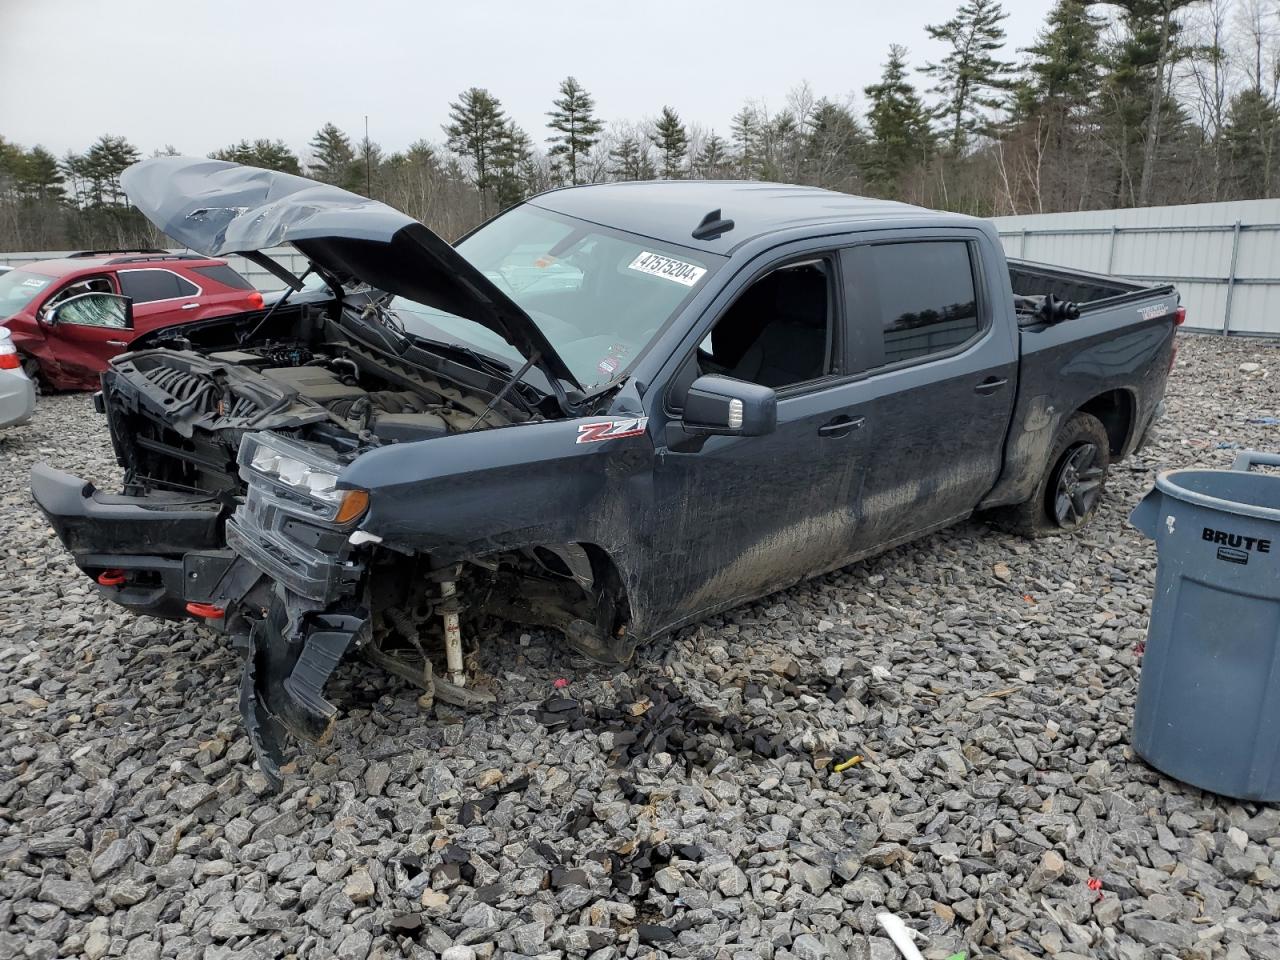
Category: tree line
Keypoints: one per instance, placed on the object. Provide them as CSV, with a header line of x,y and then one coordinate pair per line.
x,y
1117,103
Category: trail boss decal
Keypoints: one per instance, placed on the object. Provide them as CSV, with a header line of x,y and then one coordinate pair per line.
x,y
1235,547
655,264
1153,312
611,429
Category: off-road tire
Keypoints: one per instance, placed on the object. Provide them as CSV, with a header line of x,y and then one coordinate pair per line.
x,y
1082,440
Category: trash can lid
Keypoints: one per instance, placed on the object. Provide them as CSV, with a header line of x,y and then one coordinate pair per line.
x,y
1231,491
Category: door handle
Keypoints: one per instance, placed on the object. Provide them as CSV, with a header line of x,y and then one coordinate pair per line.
x,y
841,426
117,343
190,306
990,385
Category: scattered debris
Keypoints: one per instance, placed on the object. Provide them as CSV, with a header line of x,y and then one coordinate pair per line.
x,y
658,717
851,762
900,935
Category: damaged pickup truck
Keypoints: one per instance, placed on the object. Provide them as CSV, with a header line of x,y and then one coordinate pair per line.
x,y
609,411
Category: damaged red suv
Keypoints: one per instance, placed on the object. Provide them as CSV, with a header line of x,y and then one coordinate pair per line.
x,y
69,317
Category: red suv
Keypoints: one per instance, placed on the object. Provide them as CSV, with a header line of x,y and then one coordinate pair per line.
x,y
69,317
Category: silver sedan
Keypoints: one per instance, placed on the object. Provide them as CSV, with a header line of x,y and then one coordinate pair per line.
x,y
17,393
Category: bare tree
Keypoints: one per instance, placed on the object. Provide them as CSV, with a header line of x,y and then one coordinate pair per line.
x,y
1258,43
1209,74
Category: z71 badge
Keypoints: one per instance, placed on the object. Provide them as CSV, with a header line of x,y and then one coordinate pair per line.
x,y
612,429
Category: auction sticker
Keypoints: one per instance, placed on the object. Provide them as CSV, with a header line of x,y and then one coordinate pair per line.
x,y
655,264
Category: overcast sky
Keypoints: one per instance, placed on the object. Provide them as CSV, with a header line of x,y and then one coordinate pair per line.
x,y
200,74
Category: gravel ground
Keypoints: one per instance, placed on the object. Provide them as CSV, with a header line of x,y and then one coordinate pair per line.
x,y
987,682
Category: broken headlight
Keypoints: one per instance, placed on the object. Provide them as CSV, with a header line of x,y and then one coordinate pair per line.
x,y
302,472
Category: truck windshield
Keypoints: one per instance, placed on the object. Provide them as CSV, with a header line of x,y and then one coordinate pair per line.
x,y
20,287
599,295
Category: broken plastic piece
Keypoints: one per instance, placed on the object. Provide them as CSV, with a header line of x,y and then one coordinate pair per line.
x,y
560,683
851,762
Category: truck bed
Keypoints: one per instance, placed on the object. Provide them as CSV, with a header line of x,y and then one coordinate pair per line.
x,y
1090,291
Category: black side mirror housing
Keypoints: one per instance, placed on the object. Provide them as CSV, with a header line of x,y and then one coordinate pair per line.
x,y
732,408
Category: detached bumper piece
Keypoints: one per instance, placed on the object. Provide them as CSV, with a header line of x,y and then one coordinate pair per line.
x,y
152,554
282,682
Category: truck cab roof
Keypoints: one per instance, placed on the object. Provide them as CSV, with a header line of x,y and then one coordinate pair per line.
x,y
671,210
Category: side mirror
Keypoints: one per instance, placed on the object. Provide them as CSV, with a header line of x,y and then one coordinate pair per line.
x,y
727,407
94,310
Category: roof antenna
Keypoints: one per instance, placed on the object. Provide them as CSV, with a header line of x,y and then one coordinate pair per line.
x,y
712,226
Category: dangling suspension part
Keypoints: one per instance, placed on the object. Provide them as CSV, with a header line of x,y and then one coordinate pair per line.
x,y
452,631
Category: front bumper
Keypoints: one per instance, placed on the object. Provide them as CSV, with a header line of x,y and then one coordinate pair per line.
x,y
285,588
168,547
17,398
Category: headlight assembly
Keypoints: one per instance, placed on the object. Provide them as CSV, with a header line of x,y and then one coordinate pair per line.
x,y
303,473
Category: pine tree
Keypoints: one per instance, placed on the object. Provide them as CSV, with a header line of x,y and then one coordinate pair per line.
x,y
575,124
1065,67
712,160
1139,76
98,169
1252,140
631,160
833,145
334,158
899,123
779,146
367,169
37,176
672,142
970,76
475,132
745,129
511,165
268,154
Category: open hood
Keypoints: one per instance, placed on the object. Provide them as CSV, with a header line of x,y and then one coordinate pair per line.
x,y
219,208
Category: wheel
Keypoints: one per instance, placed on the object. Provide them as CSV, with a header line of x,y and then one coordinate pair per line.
x,y
1071,488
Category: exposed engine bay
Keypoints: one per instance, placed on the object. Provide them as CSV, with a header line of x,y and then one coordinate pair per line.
x,y
179,412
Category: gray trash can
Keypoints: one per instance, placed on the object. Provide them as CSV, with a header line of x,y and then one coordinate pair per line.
x,y
1208,710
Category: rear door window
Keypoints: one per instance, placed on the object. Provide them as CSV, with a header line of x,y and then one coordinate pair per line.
x,y
927,297
146,286
224,275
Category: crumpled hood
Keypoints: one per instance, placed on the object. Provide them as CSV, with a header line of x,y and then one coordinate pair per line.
x,y
219,208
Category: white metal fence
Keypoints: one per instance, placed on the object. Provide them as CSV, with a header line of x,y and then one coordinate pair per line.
x,y
1224,258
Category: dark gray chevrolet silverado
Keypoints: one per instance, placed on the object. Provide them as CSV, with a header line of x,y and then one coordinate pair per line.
x,y
611,410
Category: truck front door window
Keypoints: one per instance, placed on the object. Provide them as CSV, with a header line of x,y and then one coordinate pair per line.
x,y
778,332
